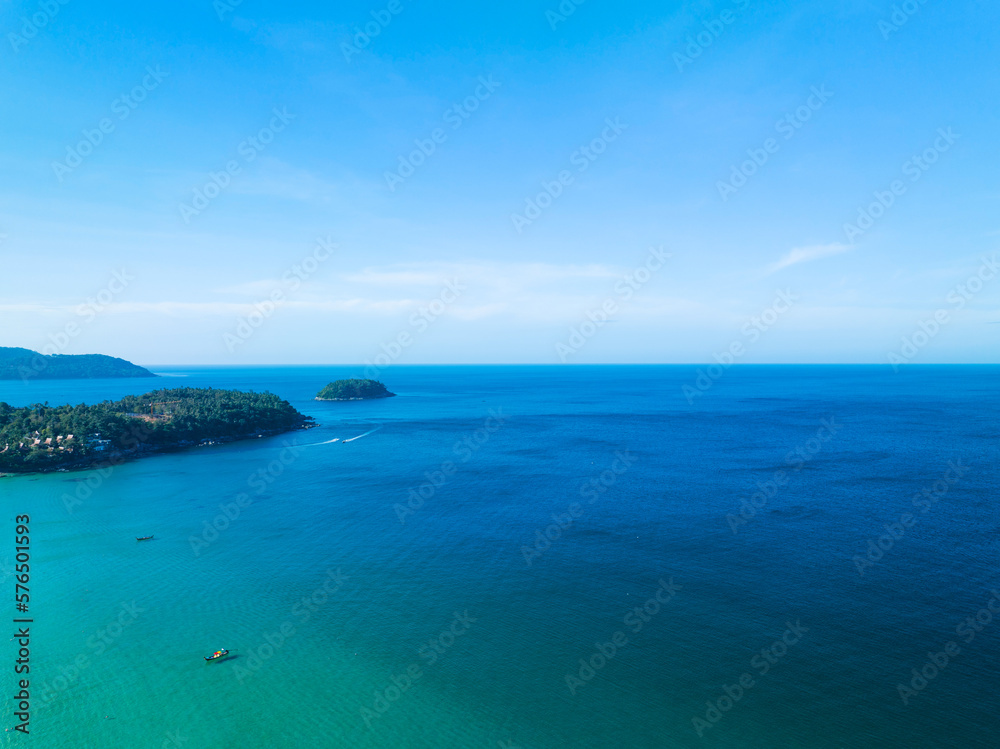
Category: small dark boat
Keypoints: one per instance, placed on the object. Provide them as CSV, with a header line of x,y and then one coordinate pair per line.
x,y
143,538
217,654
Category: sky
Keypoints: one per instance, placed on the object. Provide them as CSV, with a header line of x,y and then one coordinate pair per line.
x,y
405,182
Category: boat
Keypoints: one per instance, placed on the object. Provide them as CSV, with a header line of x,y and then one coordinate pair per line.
x,y
217,654
143,538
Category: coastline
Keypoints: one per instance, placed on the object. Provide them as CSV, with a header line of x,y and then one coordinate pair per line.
x,y
144,450
370,398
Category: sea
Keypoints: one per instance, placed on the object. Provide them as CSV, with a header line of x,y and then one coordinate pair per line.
x,y
527,557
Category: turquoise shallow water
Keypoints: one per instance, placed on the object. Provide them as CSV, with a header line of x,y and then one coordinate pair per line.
x,y
675,475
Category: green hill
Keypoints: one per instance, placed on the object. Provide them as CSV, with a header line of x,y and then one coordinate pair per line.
x,y
25,364
42,437
353,390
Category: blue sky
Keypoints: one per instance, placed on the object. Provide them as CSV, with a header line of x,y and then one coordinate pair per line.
x,y
833,100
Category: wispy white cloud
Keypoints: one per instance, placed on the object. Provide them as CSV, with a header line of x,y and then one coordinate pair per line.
x,y
487,274
304,36
399,276
276,178
807,254
538,292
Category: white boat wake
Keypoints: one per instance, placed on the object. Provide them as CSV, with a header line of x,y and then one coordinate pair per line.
x,y
351,439
335,439
363,435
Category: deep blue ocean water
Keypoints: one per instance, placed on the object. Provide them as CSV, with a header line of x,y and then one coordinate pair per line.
x,y
454,621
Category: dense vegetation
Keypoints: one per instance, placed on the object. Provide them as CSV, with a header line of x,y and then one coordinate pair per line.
x,y
25,364
135,424
343,390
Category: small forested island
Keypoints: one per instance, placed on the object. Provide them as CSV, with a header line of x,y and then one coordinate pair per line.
x,y
353,390
44,438
25,364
